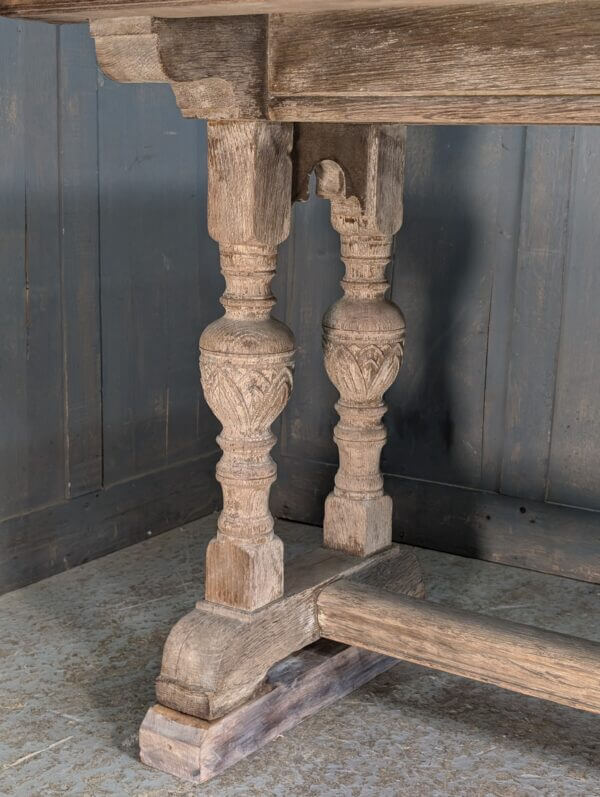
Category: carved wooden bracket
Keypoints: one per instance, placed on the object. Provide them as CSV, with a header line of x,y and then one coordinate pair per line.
x,y
363,164
317,143
215,66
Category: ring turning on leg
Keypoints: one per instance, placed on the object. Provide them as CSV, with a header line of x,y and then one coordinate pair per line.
x,y
247,357
363,332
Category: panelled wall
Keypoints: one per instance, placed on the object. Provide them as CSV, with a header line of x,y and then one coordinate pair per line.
x,y
494,422
109,276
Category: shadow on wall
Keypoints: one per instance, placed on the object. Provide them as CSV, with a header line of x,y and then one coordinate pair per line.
x,y
441,280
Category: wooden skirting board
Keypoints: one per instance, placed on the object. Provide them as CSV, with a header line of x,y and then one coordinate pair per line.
x,y
550,538
56,538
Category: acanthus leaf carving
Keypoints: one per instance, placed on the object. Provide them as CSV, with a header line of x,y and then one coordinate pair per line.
x,y
246,400
362,372
247,356
360,169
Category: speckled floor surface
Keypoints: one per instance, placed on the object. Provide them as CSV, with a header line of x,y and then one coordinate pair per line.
x,y
79,653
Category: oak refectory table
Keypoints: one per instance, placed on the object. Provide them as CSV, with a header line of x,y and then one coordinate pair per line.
x,y
291,88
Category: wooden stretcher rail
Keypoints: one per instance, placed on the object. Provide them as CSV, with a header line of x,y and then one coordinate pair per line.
x,y
518,657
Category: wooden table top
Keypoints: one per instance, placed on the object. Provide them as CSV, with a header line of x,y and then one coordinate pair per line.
x,y
405,61
79,10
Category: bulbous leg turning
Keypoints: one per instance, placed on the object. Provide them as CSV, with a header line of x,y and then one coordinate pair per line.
x,y
247,357
363,332
363,344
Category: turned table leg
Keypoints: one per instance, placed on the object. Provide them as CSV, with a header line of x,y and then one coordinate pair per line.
x,y
363,332
363,345
246,357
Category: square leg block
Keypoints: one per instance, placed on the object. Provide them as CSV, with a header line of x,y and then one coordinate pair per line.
x,y
360,527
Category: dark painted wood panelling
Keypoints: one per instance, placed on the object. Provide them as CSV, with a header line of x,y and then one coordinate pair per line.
x,y
311,273
80,263
71,533
537,304
476,523
574,472
33,454
504,266
108,279
156,292
442,279
13,464
497,274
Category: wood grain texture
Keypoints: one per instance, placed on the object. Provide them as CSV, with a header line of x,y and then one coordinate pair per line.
x,y
247,356
439,64
440,110
447,64
518,657
216,67
295,688
127,49
216,658
468,50
473,65
79,10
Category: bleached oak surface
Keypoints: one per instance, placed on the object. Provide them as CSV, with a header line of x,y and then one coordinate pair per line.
x,y
360,169
295,688
73,10
474,63
216,658
522,658
247,356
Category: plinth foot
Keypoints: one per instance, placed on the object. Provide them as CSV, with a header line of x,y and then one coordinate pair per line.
x,y
295,688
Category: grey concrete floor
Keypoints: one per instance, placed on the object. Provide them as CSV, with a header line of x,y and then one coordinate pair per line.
x,y
79,653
